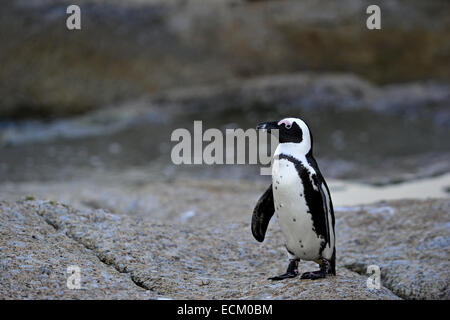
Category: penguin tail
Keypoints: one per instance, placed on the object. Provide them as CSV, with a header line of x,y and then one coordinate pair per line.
x,y
333,263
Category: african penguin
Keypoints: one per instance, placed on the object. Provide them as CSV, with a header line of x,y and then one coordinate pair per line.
x,y
301,198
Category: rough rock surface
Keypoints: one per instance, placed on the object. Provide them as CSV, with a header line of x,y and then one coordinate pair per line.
x,y
211,254
409,240
34,258
215,261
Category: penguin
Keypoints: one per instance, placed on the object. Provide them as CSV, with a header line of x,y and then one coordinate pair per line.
x,y
301,198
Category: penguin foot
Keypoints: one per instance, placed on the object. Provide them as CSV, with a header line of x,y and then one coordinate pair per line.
x,y
314,275
291,272
283,276
320,274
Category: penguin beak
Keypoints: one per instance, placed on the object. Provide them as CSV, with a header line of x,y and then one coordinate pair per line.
x,y
271,125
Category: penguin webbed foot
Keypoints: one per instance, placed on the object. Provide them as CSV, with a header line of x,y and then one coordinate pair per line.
x,y
314,275
291,272
283,276
320,274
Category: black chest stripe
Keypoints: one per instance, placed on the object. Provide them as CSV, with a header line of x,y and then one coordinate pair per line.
x,y
315,199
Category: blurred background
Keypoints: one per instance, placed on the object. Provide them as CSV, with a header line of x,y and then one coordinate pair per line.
x,y
86,118
101,102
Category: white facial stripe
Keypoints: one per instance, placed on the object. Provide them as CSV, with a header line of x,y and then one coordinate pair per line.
x,y
286,122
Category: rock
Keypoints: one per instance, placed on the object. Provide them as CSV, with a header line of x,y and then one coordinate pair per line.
x,y
127,50
170,261
344,112
308,91
35,258
409,240
213,255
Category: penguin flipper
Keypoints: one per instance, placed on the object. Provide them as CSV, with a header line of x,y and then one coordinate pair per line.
x,y
262,214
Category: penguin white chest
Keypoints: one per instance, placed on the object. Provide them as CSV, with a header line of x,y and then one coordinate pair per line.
x,y
292,211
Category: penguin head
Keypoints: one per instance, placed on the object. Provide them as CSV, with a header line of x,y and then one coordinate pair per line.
x,y
292,131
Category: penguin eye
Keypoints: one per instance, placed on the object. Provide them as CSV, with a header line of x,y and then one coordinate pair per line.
x,y
288,126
